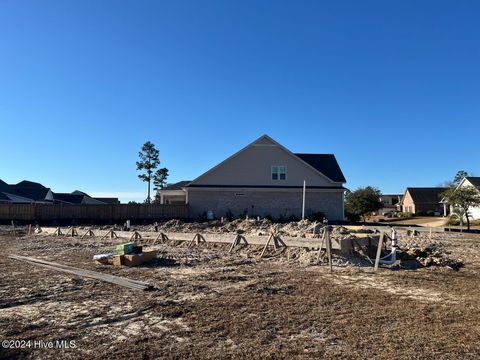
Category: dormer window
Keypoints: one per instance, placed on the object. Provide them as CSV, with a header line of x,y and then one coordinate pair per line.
x,y
279,172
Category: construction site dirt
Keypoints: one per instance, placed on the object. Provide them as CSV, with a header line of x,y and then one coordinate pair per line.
x,y
207,302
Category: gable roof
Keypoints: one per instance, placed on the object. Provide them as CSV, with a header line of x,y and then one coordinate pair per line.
x,y
326,164
103,200
426,195
30,189
78,192
331,167
4,197
474,180
25,184
68,198
177,186
14,198
4,186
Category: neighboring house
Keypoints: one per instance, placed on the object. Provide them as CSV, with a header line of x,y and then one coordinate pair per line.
x,y
4,198
423,200
75,199
475,182
266,179
26,192
391,203
96,200
107,200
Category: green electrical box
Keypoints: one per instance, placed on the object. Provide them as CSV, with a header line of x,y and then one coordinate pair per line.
x,y
124,249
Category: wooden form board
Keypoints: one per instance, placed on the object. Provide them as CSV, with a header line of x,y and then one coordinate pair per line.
x,y
405,227
227,238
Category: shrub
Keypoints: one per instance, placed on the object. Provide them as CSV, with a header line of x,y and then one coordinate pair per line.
x,y
229,215
430,213
292,218
453,220
202,217
352,217
318,216
268,217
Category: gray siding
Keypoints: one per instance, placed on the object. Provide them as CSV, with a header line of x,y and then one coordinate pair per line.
x,y
262,202
252,166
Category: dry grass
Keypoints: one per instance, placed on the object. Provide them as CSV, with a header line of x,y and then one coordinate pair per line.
x,y
212,304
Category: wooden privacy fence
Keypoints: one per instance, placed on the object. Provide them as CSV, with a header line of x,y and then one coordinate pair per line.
x,y
100,213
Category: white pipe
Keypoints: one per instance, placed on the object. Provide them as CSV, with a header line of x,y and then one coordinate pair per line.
x,y
392,257
303,201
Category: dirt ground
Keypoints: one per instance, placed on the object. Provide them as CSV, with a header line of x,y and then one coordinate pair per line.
x,y
209,303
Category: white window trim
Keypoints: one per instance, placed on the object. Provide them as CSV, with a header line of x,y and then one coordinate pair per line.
x,y
278,172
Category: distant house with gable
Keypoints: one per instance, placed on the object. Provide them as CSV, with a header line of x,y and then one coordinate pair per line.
x,y
26,192
423,200
471,181
264,179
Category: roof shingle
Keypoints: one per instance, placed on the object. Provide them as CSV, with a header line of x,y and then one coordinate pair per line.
x,y
428,195
474,180
325,163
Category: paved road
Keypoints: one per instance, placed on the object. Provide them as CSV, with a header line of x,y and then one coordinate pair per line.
x,y
437,223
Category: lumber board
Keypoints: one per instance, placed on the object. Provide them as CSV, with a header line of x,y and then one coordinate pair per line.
x,y
118,280
379,251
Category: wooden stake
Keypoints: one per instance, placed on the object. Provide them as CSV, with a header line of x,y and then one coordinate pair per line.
x,y
277,242
379,250
321,245
112,234
88,233
234,242
266,245
135,236
162,237
13,226
197,239
72,231
58,232
30,229
329,247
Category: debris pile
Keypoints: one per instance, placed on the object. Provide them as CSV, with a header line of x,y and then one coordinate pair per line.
x,y
261,227
430,255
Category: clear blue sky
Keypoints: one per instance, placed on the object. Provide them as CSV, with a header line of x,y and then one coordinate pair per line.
x,y
392,88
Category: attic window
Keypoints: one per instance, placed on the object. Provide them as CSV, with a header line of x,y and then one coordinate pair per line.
x,y
279,172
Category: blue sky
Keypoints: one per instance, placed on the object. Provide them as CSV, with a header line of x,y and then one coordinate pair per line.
x,y
392,88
